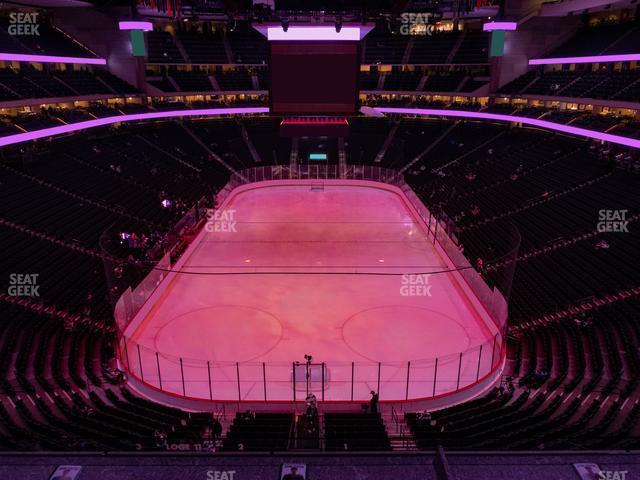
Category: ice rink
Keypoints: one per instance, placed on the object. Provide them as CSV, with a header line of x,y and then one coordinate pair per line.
x,y
337,272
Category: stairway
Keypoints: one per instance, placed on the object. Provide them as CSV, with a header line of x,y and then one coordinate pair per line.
x,y
462,83
456,47
402,442
225,422
526,87
407,51
342,158
442,136
422,83
399,433
626,88
293,157
385,146
101,80
174,84
212,154
227,47
249,144
557,92
180,47
2,85
617,41
255,83
466,154
214,83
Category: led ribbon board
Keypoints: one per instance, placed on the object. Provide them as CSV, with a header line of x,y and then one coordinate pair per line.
x,y
18,57
582,132
592,59
74,127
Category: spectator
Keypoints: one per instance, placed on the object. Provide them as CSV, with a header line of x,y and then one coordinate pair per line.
x,y
373,404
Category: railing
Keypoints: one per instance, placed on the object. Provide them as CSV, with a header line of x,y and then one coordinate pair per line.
x,y
284,381
310,172
331,381
394,416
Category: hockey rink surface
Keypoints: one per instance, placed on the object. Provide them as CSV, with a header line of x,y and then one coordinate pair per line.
x,y
344,273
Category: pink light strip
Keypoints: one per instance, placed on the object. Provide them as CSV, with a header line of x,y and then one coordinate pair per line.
x,y
18,57
74,127
130,25
595,59
314,122
313,33
510,26
582,132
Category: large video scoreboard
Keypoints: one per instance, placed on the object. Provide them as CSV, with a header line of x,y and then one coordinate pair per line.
x,y
314,77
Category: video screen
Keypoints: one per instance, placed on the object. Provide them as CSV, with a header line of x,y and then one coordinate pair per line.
x,y
314,77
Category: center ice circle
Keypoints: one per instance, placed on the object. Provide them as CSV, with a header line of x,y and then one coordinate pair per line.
x,y
225,333
397,333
